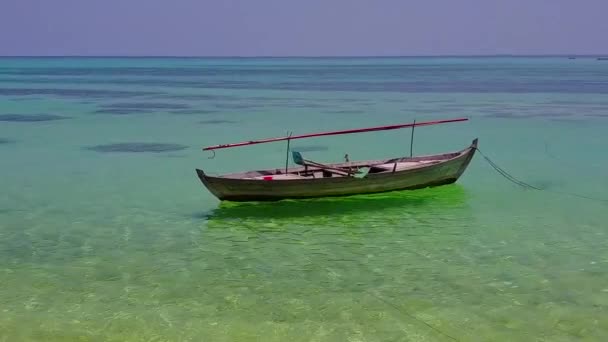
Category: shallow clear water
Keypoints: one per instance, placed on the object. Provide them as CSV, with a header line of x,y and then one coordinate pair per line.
x,y
131,247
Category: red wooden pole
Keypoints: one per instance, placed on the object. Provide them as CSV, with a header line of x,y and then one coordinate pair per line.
x,y
348,131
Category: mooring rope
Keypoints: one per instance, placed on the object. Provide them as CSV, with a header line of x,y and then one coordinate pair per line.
x,y
525,185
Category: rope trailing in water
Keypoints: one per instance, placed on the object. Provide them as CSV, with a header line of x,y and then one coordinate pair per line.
x,y
525,185
506,174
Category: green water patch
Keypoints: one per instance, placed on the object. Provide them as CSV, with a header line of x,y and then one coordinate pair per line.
x,y
450,196
216,122
577,120
434,264
504,114
344,111
137,147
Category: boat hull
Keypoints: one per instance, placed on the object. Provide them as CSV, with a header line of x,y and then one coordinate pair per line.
x,y
448,170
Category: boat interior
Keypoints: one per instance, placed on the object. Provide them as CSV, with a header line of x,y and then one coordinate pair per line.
x,y
308,169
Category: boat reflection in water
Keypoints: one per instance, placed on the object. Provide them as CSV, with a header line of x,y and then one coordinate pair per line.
x,y
393,208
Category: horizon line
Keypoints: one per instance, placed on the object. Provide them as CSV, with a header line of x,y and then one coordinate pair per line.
x,y
309,56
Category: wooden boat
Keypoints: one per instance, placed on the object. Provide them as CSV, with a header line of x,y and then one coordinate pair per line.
x,y
311,179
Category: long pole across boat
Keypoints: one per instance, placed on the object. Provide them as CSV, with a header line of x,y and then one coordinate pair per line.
x,y
348,131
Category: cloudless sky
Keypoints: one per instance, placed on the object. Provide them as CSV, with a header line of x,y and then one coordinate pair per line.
x,y
302,27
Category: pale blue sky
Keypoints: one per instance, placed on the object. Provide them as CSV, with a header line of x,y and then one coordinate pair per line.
x,y
302,28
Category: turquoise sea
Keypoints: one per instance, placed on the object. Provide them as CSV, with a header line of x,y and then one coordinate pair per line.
x,y
106,234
